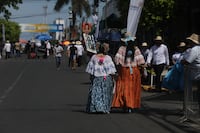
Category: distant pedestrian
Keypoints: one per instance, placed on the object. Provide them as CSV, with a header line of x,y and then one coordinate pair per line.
x,y
58,50
158,59
178,55
144,50
146,76
7,49
1,49
101,68
73,56
80,50
17,49
48,48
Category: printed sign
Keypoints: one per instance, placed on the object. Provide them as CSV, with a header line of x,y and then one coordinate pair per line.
x,y
89,43
41,27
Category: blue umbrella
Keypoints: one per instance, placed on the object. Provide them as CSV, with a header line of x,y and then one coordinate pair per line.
x,y
43,37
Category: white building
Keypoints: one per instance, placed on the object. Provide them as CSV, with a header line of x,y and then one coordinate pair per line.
x,y
60,35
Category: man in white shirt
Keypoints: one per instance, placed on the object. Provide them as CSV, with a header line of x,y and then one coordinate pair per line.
x,y
7,48
48,47
58,50
158,58
80,51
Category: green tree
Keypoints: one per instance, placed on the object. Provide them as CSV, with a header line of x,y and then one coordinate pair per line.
x,y
78,6
5,5
155,14
12,30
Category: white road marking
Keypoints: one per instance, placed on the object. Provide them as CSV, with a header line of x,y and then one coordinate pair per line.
x,y
11,87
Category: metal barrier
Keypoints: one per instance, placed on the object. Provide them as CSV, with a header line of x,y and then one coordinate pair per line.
x,y
191,104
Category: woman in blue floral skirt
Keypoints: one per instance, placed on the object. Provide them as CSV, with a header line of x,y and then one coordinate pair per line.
x,y
101,68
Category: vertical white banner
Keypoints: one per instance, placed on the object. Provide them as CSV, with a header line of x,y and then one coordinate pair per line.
x,y
135,9
96,23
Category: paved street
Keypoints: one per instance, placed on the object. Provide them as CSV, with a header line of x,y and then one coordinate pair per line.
x,y
37,98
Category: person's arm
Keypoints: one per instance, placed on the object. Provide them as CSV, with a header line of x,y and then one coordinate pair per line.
x,y
167,56
149,57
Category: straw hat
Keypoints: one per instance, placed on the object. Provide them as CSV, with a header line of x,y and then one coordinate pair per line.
x,y
144,44
78,42
158,38
194,38
181,44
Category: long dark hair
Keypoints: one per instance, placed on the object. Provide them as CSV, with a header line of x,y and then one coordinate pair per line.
x,y
101,49
130,48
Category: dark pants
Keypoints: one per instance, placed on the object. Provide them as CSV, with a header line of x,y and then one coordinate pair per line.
x,y
8,55
79,60
58,62
158,69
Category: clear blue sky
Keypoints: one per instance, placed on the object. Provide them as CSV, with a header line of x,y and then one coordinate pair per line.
x,y
33,12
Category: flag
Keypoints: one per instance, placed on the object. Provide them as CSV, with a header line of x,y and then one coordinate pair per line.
x,y
135,9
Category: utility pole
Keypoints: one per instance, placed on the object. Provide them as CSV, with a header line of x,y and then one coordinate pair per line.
x,y
45,14
3,33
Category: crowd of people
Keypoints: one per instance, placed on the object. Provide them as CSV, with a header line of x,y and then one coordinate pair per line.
x,y
117,73
116,81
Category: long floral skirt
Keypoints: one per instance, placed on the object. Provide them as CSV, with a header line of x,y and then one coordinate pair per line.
x,y
128,89
100,95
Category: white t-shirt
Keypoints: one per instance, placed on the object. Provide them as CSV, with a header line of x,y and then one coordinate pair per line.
x,y
58,51
48,45
7,47
80,50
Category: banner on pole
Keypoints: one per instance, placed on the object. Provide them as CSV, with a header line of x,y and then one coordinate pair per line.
x,y
135,9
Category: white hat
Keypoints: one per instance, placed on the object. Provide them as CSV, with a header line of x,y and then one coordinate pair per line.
x,y
181,44
144,44
158,38
194,38
78,42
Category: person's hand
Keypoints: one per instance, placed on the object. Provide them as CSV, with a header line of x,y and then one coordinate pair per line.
x,y
167,67
148,65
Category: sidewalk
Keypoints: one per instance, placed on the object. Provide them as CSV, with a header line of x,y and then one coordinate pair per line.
x,y
167,106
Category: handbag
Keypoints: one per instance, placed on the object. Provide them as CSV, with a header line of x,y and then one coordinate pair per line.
x,y
174,79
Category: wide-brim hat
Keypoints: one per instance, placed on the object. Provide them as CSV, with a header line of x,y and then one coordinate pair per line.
x,y
194,38
78,42
181,44
144,44
158,38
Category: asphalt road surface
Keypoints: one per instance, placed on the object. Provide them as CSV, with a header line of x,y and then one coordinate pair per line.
x,y
37,98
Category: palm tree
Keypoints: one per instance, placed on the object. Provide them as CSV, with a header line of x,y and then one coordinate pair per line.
x,y
78,6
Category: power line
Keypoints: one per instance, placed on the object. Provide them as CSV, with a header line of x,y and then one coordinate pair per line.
x,y
36,15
